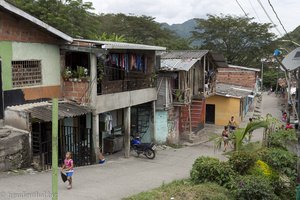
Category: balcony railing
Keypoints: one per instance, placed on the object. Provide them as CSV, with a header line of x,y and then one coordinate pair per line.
x,y
181,97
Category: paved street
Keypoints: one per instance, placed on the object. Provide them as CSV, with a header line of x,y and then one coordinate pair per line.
x,y
118,177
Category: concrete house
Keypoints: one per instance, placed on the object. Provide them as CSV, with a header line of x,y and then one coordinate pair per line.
x,y
235,94
31,77
186,79
122,90
106,91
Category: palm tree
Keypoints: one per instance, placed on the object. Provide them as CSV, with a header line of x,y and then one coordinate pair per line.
x,y
237,137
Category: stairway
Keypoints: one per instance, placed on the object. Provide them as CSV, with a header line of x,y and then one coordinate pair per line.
x,y
196,117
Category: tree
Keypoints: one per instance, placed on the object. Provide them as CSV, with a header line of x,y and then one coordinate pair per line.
x,y
74,18
242,41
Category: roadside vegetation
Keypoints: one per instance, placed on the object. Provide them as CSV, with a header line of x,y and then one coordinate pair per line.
x,y
254,170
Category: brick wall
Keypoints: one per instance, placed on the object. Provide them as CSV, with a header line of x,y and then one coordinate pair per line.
x,y
235,76
14,28
76,91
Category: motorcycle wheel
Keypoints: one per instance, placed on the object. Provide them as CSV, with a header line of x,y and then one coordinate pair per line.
x,y
150,154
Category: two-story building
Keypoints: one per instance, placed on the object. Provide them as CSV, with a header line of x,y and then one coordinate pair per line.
x,y
106,90
186,79
122,89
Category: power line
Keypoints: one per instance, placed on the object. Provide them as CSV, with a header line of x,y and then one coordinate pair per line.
x,y
254,11
275,26
241,8
287,34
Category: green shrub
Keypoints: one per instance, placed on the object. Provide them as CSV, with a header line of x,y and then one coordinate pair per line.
x,y
282,138
241,162
185,190
253,187
281,160
206,169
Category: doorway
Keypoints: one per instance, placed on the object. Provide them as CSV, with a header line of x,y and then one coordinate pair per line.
x,y
210,113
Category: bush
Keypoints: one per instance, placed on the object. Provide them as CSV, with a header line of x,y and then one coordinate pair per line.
x,y
282,138
185,190
281,160
206,169
253,187
241,162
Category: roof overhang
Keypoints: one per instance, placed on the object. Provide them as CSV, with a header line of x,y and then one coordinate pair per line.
x,y
119,45
43,110
34,20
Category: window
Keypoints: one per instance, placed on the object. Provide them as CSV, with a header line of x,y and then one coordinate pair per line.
x,y
26,73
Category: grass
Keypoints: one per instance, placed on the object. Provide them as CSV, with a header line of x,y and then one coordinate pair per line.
x,y
184,189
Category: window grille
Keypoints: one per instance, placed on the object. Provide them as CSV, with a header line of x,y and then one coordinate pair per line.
x,y
26,73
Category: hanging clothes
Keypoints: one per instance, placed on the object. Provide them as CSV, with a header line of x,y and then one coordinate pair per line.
x,y
145,64
108,122
126,62
139,63
133,62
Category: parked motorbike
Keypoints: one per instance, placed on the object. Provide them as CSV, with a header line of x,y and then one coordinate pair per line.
x,y
147,149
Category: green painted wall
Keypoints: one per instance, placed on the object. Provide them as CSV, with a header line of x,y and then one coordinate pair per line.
x,y
6,56
48,54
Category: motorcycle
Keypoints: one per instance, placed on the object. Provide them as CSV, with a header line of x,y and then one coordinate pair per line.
x,y
147,149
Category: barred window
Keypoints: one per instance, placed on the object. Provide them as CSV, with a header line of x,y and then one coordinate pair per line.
x,y
26,73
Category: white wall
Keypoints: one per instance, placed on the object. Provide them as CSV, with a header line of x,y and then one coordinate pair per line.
x,y
48,54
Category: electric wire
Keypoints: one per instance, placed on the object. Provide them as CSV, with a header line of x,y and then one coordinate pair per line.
x,y
275,26
254,11
241,8
287,34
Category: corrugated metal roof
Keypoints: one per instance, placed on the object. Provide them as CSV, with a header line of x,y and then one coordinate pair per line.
x,y
122,45
34,20
244,68
232,90
190,54
43,110
184,60
177,64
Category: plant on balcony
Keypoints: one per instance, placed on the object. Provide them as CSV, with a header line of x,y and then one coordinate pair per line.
x,y
82,73
178,96
67,73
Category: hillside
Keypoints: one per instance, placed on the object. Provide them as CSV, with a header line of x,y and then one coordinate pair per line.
x,y
183,30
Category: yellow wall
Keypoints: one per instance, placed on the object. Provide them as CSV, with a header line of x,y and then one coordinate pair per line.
x,y
225,107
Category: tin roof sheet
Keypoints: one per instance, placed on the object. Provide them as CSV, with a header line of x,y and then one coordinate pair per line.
x,y
43,110
122,45
228,90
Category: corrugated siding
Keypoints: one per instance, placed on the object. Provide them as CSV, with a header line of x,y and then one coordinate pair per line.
x,y
161,96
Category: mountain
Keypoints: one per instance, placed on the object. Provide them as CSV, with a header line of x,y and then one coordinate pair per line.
x,y
183,30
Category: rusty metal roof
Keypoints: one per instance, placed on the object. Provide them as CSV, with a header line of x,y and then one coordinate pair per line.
x,y
184,60
234,91
190,54
43,110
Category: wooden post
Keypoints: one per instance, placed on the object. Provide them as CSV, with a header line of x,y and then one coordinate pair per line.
x,y
54,149
127,123
190,118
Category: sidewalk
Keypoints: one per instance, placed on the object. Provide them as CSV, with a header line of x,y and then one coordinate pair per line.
x,y
118,177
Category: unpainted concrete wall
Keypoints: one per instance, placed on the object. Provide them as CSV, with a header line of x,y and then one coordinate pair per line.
x,y
14,149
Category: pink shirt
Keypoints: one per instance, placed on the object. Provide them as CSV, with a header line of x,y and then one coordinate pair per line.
x,y
68,164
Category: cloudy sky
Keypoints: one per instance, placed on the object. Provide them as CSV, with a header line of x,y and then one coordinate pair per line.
x,y
178,11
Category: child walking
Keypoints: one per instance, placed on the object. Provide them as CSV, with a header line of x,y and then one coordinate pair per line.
x,y
68,168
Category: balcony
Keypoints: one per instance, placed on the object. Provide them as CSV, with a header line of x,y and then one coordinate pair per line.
x,y
116,80
181,97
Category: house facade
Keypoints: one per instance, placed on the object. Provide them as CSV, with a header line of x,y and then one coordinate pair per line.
x,y
236,90
106,90
186,79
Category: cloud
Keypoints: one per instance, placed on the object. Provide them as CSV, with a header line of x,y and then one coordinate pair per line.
x,y
178,11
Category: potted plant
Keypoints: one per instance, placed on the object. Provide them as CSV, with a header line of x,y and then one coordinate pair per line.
x,y
67,73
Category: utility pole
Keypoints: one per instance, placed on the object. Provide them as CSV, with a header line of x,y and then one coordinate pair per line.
x,y
262,74
55,149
